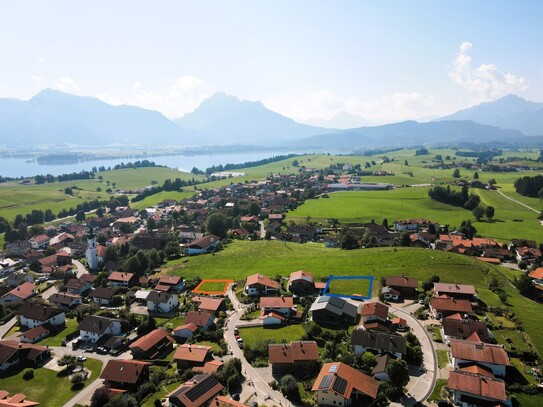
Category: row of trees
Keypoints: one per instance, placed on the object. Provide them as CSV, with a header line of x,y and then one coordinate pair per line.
x,y
168,185
453,197
530,186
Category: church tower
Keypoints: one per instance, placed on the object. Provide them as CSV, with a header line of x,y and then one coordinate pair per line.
x,y
92,251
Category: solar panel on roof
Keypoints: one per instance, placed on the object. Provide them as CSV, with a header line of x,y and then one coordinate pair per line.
x,y
340,385
332,369
326,381
201,388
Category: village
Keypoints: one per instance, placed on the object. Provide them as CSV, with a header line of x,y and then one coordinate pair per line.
x,y
94,289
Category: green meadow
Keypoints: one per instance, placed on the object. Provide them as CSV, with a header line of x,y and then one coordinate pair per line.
x,y
511,220
242,258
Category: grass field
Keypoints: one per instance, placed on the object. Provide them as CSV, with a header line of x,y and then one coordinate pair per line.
x,y
408,203
47,387
278,335
243,258
161,196
442,358
512,340
56,340
349,287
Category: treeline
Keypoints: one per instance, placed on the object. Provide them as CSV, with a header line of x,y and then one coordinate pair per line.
x,y
530,186
248,164
42,179
135,164
484,155
37,217
169,185
422,151
457,198
374,151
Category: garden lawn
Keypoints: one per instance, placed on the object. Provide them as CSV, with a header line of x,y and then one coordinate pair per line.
x,y
161,393
349,287
529,400
211,286
436,394
56,340
512,340
280,334
442,358
46,388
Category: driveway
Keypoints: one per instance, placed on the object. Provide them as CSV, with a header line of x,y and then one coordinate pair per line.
x,y
421,383
254,383
80,268
4,329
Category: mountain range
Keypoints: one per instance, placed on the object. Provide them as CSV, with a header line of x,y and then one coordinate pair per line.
x,y
55,118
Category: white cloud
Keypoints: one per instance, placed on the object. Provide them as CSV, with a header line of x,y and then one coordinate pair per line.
x,y
37,79
324,104
486,81
181,97
66,84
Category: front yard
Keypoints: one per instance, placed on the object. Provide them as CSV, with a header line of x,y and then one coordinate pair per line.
x,y
49,388
56,340
286,333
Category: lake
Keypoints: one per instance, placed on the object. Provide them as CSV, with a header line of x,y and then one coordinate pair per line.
x,y
23,167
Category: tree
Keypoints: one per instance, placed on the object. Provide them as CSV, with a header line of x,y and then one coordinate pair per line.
x,y
254,209
385,222
405,163
289,386
405,240
100,211
456,173
68,191
476,175
216,225
80,216
349,242
478,212
368,361
523,284
489,212
295,163
398,373
67,360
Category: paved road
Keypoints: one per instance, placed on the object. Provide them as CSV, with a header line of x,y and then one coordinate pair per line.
x,y
259,385
80,268
514,200
4,329
421,387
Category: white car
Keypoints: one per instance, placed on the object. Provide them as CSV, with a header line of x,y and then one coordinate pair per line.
x,y
81,358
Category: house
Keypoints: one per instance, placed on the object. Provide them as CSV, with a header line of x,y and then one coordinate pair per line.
x,y
373,311
64,300
461,291
39,242
272,319
191,356
340,385
280,305
13,353
301,283
390,294
458,327
93,327
7,266
120,279
35,335
363,341
203,320
18,400
442,307
209,304
103,295
185,331
407,286
196,392
19,277
258,284
125,374
78,286
19,294
203,245
299,358
154,345
410,224
527,253
161,302
333,310
174,282
379,371
399,324
223,401
476,390
492,357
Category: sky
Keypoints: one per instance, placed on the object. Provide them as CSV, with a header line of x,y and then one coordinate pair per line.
x,y
382,60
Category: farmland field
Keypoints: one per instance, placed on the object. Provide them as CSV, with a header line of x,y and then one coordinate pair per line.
x,y
348,287
510,221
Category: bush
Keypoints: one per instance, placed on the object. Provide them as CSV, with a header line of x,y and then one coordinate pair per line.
x,y
28,374
78,377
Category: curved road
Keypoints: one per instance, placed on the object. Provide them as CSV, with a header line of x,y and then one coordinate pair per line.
x,y
422,388
514,200
250,374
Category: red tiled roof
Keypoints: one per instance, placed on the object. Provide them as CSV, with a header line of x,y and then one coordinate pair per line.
x,y
449,289
120,276
34,333
354,378
190,327
127,371
192,353
276,302
170,280
374,309
146,342
451,304
301,275
477,385
209,367
263,280
198,318
272,315
24,291
490,260
17,400
186,396
402,281
479,352
293,352
537,273
208,303
222,401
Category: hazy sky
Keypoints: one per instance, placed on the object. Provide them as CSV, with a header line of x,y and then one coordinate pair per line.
x,y
384,60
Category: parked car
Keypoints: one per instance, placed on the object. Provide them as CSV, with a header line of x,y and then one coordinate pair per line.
x,y
235,396
81,358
